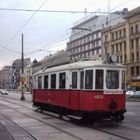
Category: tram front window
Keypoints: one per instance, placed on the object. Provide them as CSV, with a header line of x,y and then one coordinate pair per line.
x,y
112,79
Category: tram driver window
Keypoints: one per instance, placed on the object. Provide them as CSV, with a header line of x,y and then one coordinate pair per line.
x,y
53,81
74,80
112,79
99,79
62,80
39,81
123,80
89,79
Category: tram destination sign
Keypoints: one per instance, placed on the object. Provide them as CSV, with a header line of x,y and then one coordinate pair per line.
x,y
113,92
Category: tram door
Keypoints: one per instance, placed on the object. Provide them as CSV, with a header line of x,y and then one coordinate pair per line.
x,y
74,92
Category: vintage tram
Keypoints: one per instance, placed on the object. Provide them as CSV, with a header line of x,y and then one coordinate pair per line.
x,y
85,89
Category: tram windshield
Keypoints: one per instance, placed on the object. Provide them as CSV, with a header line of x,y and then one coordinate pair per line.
x,y
112,79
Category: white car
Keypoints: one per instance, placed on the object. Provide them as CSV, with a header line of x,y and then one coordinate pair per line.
x,y
129,92
4,91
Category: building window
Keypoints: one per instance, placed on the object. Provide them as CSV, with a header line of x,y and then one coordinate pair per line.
x,y
53,81
132,44
125,58
131,30
137,56
112,36
132,71
137,42
116,48
120,59
132,56
46,81
62,80
137,70
124,32
136,28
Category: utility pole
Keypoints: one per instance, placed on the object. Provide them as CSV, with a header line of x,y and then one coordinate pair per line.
x,y
22,70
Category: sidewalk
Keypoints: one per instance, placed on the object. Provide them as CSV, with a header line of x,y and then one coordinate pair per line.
x,y
17,95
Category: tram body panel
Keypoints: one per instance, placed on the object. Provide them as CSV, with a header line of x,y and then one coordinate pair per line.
x,y
82,88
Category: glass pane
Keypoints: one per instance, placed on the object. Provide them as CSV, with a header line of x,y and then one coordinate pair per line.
x,y
62,80
89,79
99,79
39,82
74,79
53,81
81,79
112,79
123,79
46,81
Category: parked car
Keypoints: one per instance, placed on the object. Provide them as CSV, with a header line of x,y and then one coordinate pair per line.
x,y
136,94
4,91
129,93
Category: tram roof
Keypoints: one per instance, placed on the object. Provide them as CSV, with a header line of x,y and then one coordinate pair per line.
x,y
79,65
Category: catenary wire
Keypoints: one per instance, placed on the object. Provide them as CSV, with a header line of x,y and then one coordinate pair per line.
x,y
25,23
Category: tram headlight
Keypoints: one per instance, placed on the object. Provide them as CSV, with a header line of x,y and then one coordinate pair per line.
x,y
112,105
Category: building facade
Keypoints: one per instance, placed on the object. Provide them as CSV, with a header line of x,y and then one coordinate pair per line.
x,y
123,40
85,39
6,80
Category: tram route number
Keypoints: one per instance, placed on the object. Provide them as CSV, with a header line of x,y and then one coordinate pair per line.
x,y
98,97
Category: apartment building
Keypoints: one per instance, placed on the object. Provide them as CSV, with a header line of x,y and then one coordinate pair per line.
x,y
123,40
85,39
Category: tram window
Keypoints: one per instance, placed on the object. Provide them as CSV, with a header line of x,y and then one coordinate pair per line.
x,y
74,80
99,79
46,81
39,81
53,81
89,79
123,79
81,79
62,80
112,79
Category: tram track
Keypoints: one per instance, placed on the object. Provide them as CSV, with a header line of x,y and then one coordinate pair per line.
x,y
66,120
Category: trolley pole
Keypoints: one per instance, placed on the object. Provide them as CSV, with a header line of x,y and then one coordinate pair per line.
x,y
22,71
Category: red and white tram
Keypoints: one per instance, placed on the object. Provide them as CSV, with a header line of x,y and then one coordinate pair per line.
x,y
87,89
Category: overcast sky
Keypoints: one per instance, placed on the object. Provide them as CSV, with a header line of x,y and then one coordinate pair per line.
x,y
46,31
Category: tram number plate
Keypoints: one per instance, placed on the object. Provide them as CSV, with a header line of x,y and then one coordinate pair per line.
x,y
98,97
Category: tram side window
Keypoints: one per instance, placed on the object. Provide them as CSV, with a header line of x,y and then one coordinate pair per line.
x,y
53,81
46,81
62,80
81,79
123,79
99,79
89,79
74,80
112,79
39,81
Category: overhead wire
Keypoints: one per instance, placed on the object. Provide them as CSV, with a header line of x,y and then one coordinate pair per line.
x,y
38,10
25,23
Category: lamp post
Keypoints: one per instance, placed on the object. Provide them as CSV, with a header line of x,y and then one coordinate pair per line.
x,y
22,71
